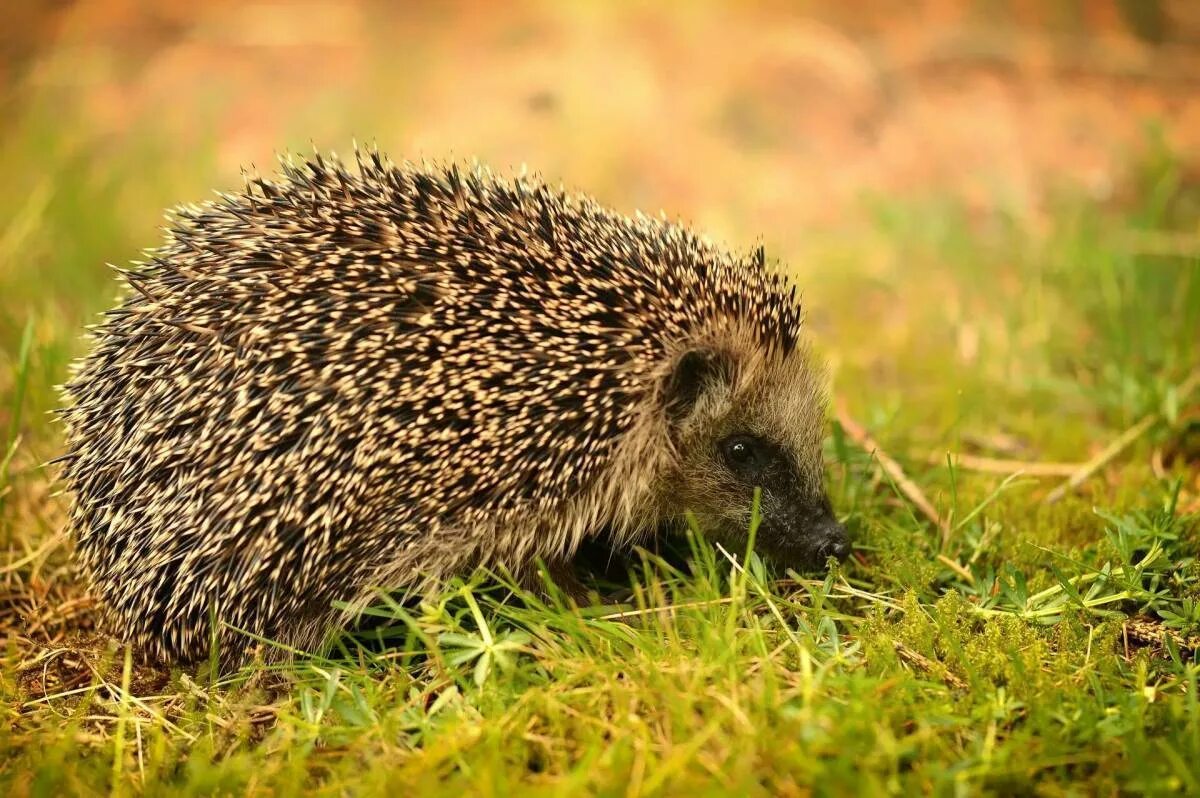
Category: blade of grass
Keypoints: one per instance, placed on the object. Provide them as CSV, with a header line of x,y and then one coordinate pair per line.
x,y
12,438
891,468
1121,443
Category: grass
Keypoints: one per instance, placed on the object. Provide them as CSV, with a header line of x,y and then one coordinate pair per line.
x,y
1008,644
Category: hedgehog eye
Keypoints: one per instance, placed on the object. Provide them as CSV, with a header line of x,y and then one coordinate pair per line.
x,y
743,454
739,452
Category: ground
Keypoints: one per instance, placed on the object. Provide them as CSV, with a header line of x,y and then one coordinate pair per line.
x,y
992,209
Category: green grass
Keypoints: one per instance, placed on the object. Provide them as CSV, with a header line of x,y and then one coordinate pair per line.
x,y
1029,647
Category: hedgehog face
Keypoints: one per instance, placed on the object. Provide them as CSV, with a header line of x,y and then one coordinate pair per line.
x,y
741,426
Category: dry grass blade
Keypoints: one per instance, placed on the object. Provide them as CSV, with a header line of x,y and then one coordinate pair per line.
x,y
957,567
999,465
1165,244
914,494
49,545
664,609
1148,631
931,667
1119,445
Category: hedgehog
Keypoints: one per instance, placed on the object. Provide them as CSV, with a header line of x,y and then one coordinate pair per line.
x,y
345,379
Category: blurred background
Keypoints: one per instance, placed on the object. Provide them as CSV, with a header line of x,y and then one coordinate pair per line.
x,y
762,115
916,163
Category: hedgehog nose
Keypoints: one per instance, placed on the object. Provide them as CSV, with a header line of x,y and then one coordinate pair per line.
x,y
833,541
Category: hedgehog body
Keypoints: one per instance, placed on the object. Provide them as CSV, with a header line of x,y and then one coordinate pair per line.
x,y
338,380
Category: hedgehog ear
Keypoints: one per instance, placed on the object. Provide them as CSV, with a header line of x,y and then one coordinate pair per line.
x,y
694,371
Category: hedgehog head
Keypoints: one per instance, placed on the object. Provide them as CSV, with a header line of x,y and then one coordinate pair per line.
x,y
742,418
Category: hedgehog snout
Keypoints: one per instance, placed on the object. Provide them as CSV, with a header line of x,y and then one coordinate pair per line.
x,y
804,536
830,539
